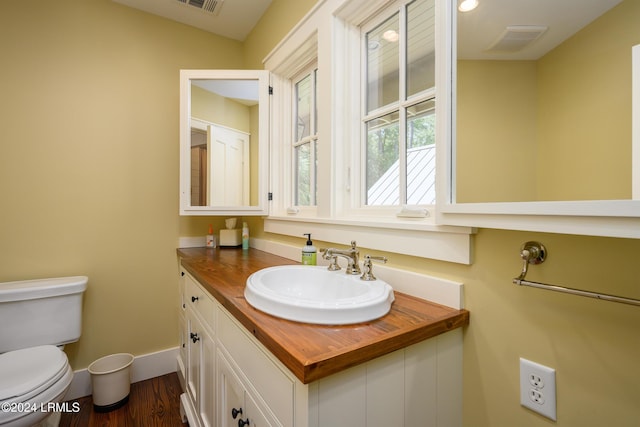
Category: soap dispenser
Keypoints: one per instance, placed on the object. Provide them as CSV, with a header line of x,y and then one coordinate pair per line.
x,y
245,236
309,252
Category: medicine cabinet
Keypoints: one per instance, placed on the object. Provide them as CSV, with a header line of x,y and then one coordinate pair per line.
x,y
224,142
541,116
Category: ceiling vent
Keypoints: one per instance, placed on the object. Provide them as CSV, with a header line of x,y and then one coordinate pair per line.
x,y
209,6
517,37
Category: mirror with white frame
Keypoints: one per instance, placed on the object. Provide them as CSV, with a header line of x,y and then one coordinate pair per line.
x,y
541,111
224,134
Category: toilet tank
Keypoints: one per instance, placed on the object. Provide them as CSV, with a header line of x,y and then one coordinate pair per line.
x,y
41,311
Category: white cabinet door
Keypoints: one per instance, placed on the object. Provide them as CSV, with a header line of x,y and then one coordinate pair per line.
x,y
193,356
231,406
200,301
201,370
236,406
183,332
207,401
254,415
274,389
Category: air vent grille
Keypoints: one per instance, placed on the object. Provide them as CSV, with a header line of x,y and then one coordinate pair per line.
x,y
210,6
517,37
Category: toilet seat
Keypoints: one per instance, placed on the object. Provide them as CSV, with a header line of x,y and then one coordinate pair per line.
x,y
28,370
32,377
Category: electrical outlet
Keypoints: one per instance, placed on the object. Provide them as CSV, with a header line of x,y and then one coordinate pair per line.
x,y
538,388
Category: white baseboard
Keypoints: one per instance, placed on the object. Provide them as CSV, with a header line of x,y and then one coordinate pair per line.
x,y
144,367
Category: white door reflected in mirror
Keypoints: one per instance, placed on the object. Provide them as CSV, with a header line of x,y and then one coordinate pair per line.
x,y
229,160
220,162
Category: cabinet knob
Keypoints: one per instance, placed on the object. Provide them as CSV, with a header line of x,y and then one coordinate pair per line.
x,y
194,337
194,299
235,412
242,423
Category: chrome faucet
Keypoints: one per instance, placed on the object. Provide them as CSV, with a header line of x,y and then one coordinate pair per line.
x,y
352,255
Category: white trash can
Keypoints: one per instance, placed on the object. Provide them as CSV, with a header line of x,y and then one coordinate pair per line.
x,y
111,381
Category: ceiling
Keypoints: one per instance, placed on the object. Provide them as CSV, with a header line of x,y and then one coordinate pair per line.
x,y
479,29
243,91
230,18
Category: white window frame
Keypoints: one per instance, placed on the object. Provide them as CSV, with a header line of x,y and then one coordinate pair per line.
x,y
330,33
358,198
311,139
283,75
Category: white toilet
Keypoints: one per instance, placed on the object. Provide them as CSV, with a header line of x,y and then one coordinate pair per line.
x,y
37,317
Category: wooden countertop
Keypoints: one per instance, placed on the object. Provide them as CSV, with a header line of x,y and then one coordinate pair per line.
x,y
310,351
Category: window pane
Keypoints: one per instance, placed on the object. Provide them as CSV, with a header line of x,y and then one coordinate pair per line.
x,y
420,46
314,189
303,107
383,171
421,153
315,101
382,64
303,175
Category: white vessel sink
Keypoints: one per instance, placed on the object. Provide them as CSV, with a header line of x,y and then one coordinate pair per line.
x,y
313,294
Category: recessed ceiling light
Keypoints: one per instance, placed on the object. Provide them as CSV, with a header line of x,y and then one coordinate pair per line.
x,y
467,5
390,36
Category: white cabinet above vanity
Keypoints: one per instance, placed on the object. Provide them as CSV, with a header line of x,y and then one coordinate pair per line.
x,y
404,369
224,142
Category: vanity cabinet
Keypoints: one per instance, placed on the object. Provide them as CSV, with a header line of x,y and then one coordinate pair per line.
x,y
225,373
234,380
183,332
198,353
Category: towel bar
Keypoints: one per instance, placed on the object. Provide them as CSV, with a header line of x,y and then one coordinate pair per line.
x,y
536,253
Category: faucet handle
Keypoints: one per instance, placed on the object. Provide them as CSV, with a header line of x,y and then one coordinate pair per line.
x,y
333,263
333,260
367,266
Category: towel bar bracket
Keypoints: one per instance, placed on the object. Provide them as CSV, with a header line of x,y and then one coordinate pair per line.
x,y
531,253
535,253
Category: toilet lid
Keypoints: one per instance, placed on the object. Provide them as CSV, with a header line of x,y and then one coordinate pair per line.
x,y
25,370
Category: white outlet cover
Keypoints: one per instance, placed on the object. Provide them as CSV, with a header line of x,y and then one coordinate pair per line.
x,y
538,388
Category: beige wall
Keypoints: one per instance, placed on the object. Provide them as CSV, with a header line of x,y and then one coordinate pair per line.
x,y
217,109
89,185
89,160
496,113
585,100
276,23
558,128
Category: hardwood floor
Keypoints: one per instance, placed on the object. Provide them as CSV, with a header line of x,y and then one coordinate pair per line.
x,y
152,403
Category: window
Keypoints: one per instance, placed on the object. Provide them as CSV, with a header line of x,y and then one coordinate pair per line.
x,y
398,119
305,138
374,61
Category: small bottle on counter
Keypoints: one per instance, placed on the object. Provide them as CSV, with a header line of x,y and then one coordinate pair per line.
x,y
245,236
309,252
211,238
